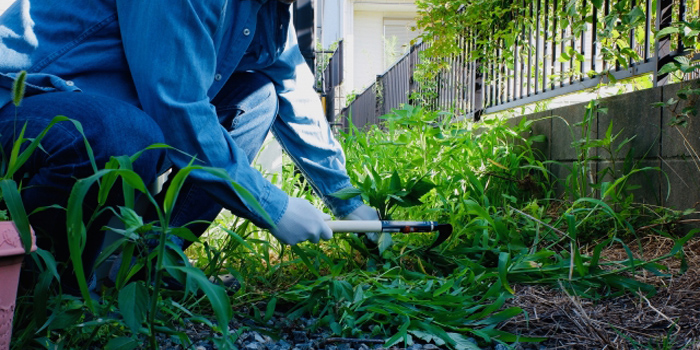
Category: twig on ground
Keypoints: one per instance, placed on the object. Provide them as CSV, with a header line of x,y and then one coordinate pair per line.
x,y
678,328
353,340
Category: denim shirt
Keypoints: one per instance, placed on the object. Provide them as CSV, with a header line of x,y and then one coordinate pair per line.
x,y
170,58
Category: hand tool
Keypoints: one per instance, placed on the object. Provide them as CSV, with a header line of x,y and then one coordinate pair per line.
x,y
364,226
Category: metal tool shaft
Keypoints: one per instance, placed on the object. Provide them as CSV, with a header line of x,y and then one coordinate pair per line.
x,y
382,226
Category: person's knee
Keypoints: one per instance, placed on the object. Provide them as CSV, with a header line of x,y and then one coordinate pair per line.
x,y
108,126
263,95
125,130
137,136
265,88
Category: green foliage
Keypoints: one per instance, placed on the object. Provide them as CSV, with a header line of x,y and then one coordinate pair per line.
x,y
21,150
136,308
499,33
485,179
686,32
684,108
479,180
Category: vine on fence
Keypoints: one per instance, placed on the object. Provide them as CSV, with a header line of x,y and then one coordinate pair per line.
x,y
492,28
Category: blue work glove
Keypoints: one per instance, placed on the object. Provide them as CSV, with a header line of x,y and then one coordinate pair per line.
x,y
365,212
302,222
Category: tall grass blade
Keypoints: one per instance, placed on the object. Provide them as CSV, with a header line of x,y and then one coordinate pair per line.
x,y
179,178
216,295
18,159
75,227
503,263
122,343
13,200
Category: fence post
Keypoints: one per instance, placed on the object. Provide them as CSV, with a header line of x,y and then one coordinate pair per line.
x,y
379,93
330,104
412,59
478,88
663,55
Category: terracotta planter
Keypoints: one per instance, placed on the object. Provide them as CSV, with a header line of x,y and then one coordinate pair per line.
x,y
11,256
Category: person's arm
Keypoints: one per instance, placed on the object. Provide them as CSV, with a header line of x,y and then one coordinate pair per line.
x,y
172,59
303,131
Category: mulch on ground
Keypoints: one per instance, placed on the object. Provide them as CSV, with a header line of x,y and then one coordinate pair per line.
x,y
670,319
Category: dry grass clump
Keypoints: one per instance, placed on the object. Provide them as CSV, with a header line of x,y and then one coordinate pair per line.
x,y
668,320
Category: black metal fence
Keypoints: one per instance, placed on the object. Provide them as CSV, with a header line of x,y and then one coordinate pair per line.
x,y
330,79
390,90
547,60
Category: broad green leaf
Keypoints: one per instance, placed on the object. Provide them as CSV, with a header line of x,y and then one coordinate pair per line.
x,y
538,138
385,242
445,287
401,333
461,342
432,331
666,31
564,57
421,187
359,294
395,182
63,319
122,343
185,233
635,15
270,309
130,217
682,60
346,193
668,68
502,316
216,295
403,139
503,262
133,305
427,337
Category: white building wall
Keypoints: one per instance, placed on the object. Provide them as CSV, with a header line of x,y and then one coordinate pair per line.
x,y
368,51
365,53
360,24
329,21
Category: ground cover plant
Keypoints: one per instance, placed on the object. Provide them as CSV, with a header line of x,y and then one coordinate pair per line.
x,y
513,231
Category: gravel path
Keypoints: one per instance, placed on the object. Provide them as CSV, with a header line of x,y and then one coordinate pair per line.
x,y
297,336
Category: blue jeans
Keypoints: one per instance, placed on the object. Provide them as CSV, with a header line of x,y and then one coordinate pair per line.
x,y
246,106
112,127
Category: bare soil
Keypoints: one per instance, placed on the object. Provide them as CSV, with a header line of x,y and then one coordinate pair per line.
x,y
670,319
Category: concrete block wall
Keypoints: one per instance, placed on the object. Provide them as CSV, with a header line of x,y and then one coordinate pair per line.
x,y
654,143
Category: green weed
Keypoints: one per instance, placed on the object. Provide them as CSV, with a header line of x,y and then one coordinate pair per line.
x,y
485,179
